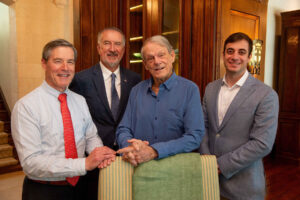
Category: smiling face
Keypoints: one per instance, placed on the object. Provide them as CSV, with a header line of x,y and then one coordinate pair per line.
x,y
158,61
59,68
111,49
236,57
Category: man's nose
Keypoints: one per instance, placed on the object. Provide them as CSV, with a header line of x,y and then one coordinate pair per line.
x,y
156,60
235,55
112,47
64,65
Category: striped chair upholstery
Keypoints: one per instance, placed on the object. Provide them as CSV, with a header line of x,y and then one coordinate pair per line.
x,y
183,176
115,181
210,177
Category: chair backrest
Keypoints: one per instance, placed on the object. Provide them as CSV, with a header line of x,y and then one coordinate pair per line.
x,y
187,176
115,181
183,176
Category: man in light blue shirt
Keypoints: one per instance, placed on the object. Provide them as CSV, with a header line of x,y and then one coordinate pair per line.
x,y
39,131
163,115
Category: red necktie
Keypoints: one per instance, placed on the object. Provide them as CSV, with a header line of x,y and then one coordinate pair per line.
x,y
70,146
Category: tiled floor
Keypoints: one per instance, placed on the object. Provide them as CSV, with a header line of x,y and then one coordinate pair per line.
x,y
11,186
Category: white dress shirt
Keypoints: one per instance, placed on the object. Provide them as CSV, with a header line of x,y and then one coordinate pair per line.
x,y
227,94
107,82
37,130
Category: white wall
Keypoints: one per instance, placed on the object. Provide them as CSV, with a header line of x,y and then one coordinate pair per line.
x,y
8,70
275,7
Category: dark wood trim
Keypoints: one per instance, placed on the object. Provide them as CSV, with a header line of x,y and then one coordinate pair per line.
x,y
218,39
203,68
77,32
185,58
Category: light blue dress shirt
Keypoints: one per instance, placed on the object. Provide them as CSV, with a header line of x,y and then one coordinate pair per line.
x,y
37,130
171,121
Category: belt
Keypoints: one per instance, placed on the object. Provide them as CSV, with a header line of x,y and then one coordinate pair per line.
x,y
51,182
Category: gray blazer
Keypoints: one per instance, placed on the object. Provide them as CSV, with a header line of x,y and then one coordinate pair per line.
x,y
245,136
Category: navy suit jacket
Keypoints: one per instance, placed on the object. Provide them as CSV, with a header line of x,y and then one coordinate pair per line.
x,y
90,84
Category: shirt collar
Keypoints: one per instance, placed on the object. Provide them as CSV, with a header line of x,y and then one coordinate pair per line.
x,y
167,84
53,91
107,73
240,82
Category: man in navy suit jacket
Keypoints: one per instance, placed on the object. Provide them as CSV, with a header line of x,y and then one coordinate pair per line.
x,y
95,85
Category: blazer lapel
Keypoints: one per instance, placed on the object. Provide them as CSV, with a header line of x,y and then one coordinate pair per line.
x,y
124,90
240,97
100,87
215,98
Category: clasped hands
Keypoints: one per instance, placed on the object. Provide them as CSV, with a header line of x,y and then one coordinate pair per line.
x,y
137,152
100,157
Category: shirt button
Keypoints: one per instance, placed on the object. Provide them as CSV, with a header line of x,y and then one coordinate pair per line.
x,y
155,118
218,135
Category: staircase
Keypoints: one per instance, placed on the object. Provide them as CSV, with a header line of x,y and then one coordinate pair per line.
x,y
8,155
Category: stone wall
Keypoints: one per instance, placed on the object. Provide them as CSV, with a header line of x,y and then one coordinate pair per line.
x,y
33,23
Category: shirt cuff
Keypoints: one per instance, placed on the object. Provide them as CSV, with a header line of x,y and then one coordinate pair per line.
x,y
159,151
81,166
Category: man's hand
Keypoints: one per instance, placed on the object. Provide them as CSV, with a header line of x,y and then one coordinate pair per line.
x,y
145,154
106,162
138,152
99,155
128,152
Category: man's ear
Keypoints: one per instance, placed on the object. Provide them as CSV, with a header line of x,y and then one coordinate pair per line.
x,y
173,56
144,62
250,56
44,63
98,48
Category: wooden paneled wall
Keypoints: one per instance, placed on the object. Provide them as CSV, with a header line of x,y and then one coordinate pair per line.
x,y
202,68
91,16
204,25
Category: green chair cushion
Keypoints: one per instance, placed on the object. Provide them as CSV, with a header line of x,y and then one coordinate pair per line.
x,y
177,177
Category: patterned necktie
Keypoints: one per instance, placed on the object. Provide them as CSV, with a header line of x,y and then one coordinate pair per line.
x,y
114,97
70,146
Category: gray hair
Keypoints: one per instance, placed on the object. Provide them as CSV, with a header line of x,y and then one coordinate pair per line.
x,y
54,44
158,39
112,28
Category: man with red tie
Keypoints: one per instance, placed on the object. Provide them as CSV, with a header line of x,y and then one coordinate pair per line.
x,y
52,129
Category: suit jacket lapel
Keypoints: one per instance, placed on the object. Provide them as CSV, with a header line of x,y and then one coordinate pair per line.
x,y
100,87
124,90
240,97
215,98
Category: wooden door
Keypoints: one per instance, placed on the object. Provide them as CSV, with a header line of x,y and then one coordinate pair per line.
x,y
288,135
248,16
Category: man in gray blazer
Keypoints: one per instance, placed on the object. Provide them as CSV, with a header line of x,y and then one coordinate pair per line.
x,y
241,115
